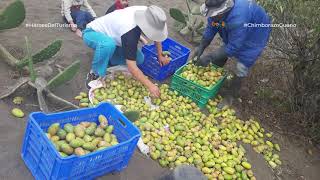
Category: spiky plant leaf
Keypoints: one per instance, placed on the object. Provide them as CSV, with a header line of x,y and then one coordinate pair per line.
x,y
30,61
44,54
178,15
65,75
13,15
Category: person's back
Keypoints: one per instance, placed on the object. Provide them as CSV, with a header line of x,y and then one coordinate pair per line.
x,y
117,23
237,24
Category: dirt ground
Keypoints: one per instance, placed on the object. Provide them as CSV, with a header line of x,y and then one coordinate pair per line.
x,y
297,163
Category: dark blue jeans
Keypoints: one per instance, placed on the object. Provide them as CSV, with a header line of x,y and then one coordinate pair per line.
x,y
81,18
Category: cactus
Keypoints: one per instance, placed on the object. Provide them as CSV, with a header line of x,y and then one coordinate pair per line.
x,y
30,62
65,75
42,55
177,15
188,24
12,16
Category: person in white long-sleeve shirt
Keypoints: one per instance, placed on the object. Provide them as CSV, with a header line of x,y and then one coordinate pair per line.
x,y
77,18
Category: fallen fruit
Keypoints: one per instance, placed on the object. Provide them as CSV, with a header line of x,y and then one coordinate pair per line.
x,y
17,112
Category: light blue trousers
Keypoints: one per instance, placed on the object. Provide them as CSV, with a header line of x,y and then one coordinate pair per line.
x,y
105,51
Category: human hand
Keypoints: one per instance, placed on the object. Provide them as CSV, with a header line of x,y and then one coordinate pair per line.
x,y
73,26
163,60
154,90
79,33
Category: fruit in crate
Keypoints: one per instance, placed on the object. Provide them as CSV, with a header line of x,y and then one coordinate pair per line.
x,y
204,76
167,55
83,138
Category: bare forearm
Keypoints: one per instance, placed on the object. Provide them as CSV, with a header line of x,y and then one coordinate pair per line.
x,y
159,48
136,72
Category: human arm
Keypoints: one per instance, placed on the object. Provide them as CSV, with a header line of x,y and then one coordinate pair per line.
x,y
66,8
130,47
162,60
207,37
136,72
89,8
143,40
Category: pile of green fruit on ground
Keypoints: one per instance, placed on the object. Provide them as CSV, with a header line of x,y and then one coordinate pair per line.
x,y
204,76
83,138
178,132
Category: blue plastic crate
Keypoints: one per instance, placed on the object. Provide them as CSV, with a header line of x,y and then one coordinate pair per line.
x,y
151,66
45,162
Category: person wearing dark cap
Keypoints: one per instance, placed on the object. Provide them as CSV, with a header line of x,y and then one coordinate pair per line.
x,y
115,36
232,19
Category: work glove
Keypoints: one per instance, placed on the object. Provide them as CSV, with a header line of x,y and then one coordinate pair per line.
x,y
218,57
199,50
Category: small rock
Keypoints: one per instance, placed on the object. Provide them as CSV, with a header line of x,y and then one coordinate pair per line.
x,y
265,80
250,102
310,152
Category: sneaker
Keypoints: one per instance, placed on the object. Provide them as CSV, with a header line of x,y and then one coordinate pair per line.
x,y
91,77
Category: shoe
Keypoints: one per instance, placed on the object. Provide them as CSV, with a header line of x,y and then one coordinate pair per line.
x,y
91,77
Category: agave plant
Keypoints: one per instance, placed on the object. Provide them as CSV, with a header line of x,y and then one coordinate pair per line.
x,y
189,24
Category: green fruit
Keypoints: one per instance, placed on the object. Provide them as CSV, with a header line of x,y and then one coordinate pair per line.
x,y
272,164
107,137
227,177
55,138
269,135
99,132
113,143
206,170
239,168
59,143
277,147
79,131
62,134
70,137
83,94
87,138
109,129
79,151
244,175
90,130
17,112
66,148
68,128
229,170
104,144
101,148
84,100
210,164
154,155
269,144
96,141
84,104
57,147
63,154
53,129
89,146
78,97
103,120
77,142
246,165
